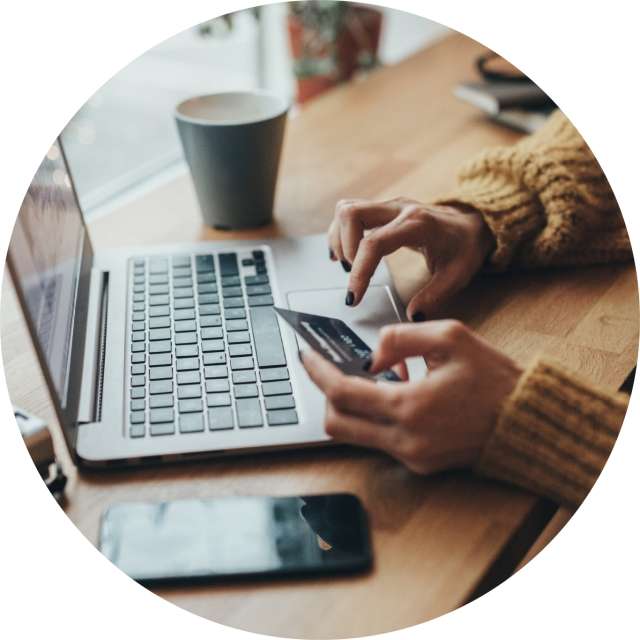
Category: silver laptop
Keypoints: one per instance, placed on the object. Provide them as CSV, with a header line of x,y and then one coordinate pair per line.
x,y
158,354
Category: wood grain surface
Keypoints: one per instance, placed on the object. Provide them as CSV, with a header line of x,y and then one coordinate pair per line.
x,y
437,539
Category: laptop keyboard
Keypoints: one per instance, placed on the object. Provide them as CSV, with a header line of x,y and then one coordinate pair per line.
x,y
205,349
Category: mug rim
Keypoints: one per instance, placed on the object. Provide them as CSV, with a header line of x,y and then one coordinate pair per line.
x,y
279,111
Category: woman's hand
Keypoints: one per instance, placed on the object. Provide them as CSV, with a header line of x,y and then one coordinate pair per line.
x,y
453,242
439,422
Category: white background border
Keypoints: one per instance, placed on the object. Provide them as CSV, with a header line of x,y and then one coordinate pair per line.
x,y
56,54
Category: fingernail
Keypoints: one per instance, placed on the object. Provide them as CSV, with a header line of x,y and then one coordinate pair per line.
x,y
367,364
332,256
418,316
345,265
349,299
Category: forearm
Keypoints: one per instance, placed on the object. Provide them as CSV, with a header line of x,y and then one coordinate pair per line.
x,y
554,434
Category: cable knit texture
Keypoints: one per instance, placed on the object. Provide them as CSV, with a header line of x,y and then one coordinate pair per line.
x,y
548,203
554,434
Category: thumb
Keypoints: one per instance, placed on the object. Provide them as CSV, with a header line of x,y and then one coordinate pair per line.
x,y
426,303
433,340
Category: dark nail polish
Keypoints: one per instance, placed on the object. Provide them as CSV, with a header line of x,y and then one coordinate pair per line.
x,y
345,265
367,364
418,316
332,256
349,299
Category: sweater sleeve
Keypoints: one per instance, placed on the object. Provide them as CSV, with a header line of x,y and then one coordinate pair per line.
x,y
546,201
554,434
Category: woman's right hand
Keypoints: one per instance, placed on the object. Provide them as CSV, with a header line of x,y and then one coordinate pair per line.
x,y
454,243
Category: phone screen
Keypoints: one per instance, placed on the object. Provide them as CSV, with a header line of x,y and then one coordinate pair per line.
x,y
236,536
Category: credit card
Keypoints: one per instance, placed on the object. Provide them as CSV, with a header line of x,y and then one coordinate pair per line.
x,y
335,341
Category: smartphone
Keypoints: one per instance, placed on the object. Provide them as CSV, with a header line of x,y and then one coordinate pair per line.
x,y
194,540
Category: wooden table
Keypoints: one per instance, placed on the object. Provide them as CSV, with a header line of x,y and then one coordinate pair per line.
x,y
438,541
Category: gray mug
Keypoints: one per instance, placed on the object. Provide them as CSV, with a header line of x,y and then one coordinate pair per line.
x,y
232,143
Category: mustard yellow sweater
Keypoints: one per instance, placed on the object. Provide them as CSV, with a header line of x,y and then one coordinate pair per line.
x,y
548,203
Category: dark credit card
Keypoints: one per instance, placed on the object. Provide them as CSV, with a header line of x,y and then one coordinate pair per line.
x,y
335,341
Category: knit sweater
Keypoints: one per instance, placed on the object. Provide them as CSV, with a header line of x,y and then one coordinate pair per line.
x,y
548,203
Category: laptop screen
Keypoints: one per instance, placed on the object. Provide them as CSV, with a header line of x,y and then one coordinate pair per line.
x,y
46,255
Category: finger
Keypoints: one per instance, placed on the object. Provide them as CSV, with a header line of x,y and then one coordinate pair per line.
x,y
372,249
426,302
354,216
435,341
354,430
334,240
349,393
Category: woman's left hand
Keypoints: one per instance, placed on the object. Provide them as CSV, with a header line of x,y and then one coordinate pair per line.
x,y
439,422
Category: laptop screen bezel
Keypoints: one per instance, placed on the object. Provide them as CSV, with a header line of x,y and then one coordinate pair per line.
x,y
68,414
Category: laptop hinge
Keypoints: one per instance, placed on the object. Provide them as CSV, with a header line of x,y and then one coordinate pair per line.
x,y
90,406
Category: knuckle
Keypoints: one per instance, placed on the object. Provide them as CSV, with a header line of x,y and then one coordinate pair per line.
x,y
345,211
388,336
453,330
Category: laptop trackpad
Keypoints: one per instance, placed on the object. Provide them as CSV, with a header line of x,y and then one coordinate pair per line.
x,y
375,310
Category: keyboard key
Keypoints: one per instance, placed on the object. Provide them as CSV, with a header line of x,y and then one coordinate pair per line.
x,y
161,386
137,381
188,377
139,307
236,325
139,288
158,265
207,287
189,391
159,359
220,418
234,303
137,326
208,298
137,358
181,261
259,290
159,334
186,292
259,279
160,415
258,254
212,345
159,323
191,423
137,369
160,346
209,309
266,336
157,312
183,303
271,375
158,289
186,338
137,430
261,269
161,373
210,321
161,401
161,278
137,316
238,337
187,351
211,333
184,314
181,272
228,264
232,292
190,406
240,350
216,371
162,429
214,357
156,301
138,336
217,386
249,413
243,377
230,281
136,417
138,392
286,416
137,347
279,402
260,301
276,388
184,325
138,297
204,278
218,399
245,391
247,262
241,363
187,364
234,314
204,263
182,283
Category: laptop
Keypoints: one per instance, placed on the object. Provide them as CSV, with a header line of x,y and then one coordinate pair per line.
x,y
170,352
